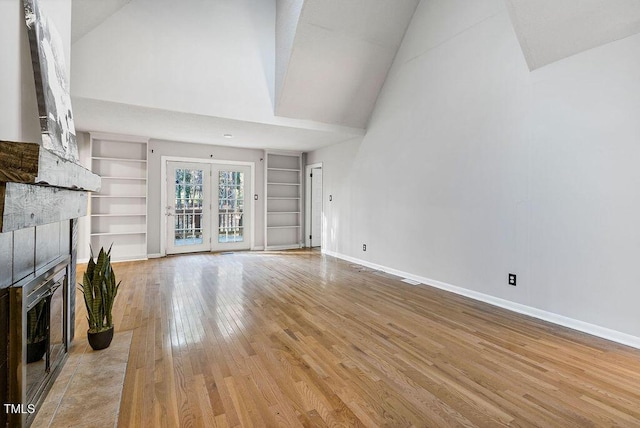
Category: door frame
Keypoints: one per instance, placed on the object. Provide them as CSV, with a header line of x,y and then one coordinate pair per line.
x,y
163,193
307,204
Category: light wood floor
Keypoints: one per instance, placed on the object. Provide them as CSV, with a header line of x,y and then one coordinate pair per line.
x,y
297,339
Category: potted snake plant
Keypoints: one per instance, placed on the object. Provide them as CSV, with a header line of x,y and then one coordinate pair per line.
x,y
99,288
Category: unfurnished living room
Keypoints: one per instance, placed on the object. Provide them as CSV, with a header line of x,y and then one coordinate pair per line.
x,y
245,213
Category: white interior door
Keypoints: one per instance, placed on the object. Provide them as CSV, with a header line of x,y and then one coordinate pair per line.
x,y
188,209
232,207
316,207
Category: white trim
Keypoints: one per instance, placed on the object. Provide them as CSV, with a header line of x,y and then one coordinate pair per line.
x,y
595,330
163,194
129,259
265,192
282,152
118,137
282,247
89,217
307,203
258,248
154,256
82,261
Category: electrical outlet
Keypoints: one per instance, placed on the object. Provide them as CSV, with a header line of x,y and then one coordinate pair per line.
x,y
364,247
512,279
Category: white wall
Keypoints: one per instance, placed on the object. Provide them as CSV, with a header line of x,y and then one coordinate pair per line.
x,y
211,58
337,175
474,167
18,107
200,151
287,16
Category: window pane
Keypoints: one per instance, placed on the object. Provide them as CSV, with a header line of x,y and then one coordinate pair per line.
x,y
188,207
230,206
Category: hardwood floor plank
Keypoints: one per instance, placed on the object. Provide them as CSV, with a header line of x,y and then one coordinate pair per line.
x,y
301,339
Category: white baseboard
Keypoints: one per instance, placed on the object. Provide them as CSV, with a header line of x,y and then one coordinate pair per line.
x,y
283,247
82,261
160,255
595,330
129,259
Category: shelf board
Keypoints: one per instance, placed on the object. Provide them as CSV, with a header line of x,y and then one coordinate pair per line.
x,y
283,169
118,233
118,215
124,178
282,227
281,197
283,212
285,184
119,159
113,196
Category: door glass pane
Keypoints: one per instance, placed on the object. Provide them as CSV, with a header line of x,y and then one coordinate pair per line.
x,y
188,207
230,206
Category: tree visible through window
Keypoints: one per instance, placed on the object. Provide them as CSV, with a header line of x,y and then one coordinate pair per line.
x,y
188,207
230,206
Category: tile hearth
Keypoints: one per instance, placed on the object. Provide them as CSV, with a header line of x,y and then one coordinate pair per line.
x,y
87,391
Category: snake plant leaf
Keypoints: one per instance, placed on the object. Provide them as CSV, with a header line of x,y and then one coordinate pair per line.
x,y
91,265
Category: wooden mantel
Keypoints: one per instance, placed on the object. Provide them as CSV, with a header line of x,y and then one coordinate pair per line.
x,y
39,187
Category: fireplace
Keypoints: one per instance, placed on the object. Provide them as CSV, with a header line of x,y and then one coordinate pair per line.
x,y
39,339
43,191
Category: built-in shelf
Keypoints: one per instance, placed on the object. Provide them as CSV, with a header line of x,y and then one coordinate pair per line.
x,y
118,159
124,178
116,196
283,179
119,214
283,169
117,233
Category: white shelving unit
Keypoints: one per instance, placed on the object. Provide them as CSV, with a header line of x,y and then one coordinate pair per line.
x,y
119,210
283,202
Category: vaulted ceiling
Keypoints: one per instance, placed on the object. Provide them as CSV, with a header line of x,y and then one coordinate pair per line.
x,y
550,30
88,14
339,57
280,74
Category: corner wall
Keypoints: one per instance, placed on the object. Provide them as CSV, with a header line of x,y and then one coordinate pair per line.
x,y
473,167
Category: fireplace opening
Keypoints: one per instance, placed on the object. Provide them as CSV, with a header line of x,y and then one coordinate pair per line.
x,y
38,337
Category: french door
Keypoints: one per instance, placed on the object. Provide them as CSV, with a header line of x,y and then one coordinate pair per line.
x,y
206,209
